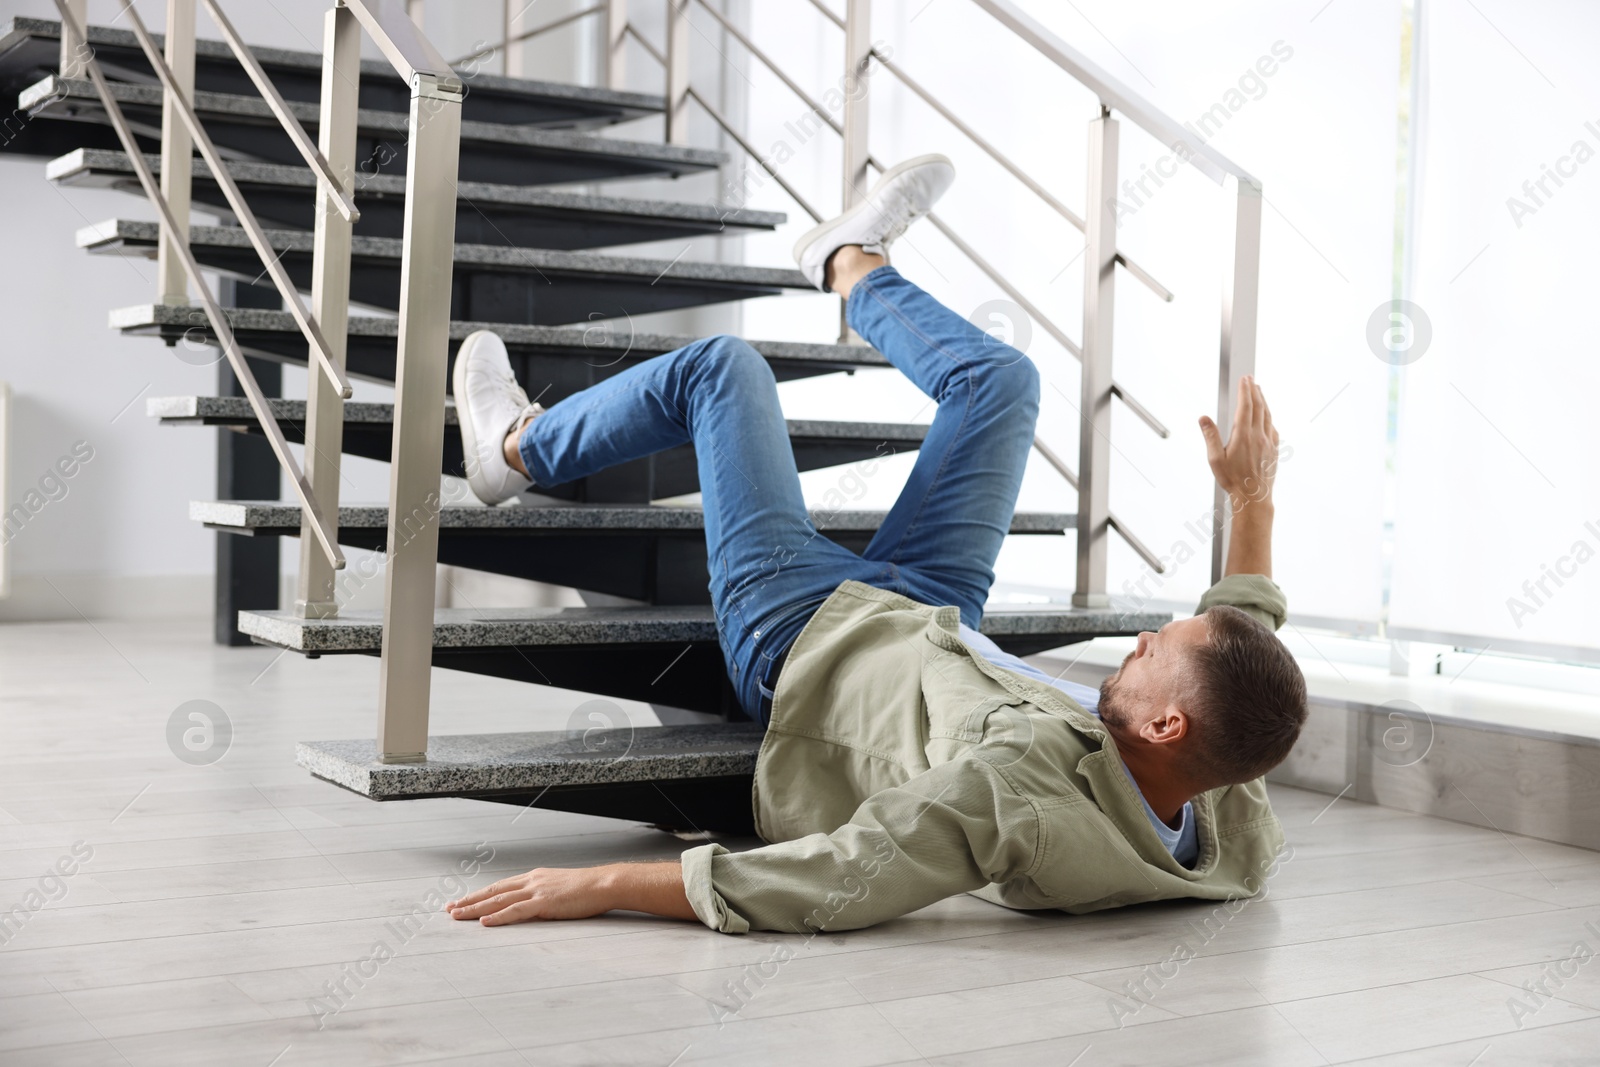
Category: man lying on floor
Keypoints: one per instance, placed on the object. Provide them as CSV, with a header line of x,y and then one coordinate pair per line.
x,y
907,758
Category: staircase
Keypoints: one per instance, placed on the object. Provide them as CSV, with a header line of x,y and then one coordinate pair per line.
x,y
533,263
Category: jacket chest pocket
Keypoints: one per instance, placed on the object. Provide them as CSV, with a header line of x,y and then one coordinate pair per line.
x,y
956,726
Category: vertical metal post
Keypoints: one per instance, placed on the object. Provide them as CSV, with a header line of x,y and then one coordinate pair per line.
x,y
74,50
616,33
1094,422
514,59
857,55
177,150
677,71
1241,284
419,387
330,305
855,179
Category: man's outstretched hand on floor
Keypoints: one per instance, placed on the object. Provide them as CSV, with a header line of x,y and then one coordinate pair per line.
x,y
578,893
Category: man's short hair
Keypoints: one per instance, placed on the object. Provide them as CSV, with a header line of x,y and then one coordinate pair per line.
x,y
1248,699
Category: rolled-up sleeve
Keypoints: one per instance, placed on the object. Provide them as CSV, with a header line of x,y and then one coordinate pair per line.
x,y
952,829
1255,594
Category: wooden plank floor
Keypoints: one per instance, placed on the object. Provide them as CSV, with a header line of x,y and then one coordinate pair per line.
x,y
221,907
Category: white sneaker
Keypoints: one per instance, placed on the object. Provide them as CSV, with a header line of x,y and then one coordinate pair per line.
x,y
489,404
903,195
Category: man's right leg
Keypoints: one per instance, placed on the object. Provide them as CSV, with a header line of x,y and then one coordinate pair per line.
x,y
770,569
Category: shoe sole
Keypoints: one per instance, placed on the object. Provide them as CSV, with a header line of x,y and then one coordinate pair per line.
x,y
893,172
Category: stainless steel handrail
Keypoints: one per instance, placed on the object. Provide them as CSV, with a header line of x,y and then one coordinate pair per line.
x,y
1099,388
402,43
433,146
291,125
1017,172
1144,414
1038,316
214,314
318,345
433,152
1113,93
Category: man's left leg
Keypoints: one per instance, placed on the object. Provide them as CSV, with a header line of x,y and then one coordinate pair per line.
x,y
945,531
940,540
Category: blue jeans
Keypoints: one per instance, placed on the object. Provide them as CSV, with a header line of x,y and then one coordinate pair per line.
x,y
770,567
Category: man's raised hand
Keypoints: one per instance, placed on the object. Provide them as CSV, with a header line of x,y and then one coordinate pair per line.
x,y
1247,464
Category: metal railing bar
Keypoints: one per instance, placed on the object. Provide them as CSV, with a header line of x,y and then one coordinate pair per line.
x,y
657,55
1056,461
530,34
1017,172
1134,543
1140,410
749,46
402,43
258,239
1115,523
999,279
976,138
214,313
1113,93
727,127
1144,276
829,15
291,125
1033,312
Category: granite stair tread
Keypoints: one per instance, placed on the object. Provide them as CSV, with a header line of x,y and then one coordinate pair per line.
x,y
271,515
244,125
236,410
644,553
30,47
488,213
564,357
369,432
502,282
466,764
1033,627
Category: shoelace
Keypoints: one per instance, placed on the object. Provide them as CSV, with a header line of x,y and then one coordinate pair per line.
x,y
514,387
893,233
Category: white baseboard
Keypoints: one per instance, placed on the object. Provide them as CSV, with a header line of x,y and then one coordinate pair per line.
x,y
53,597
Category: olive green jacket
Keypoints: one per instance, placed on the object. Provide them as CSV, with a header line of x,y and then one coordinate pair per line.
x,y
901,767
